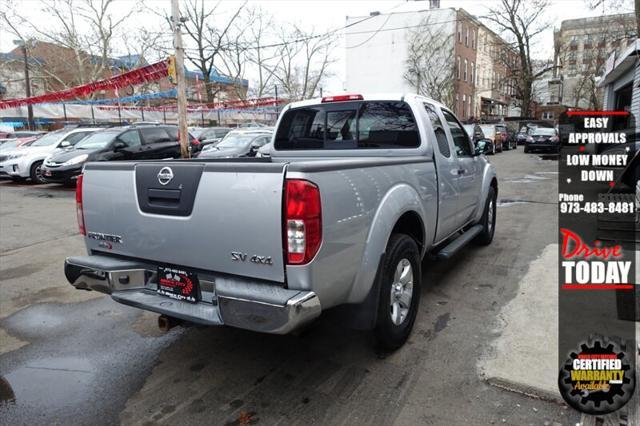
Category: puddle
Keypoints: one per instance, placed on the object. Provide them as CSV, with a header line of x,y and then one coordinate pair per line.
x,y
6,392
505,202
52,382
527,179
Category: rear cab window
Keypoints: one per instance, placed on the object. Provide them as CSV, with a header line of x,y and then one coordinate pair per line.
x,y
348,125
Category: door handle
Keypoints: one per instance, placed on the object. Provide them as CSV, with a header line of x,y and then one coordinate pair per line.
x,y
461,171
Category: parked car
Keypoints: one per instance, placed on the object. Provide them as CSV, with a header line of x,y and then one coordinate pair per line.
x,y
27,162
542,139
355,194
238,144
119,143
212,135
508,137
492,133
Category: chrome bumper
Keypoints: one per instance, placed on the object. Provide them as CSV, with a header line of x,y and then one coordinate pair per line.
x,y
238,303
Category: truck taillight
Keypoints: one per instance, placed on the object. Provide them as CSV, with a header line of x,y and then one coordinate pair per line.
x,y
79,210
303,221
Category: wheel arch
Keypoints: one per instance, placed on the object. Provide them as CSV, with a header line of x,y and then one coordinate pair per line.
x,y
401,210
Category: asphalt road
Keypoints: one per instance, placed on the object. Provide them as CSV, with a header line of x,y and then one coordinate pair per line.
x,y
75,357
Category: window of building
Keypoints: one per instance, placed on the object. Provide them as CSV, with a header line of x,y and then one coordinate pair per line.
x,y
473,73
464,105
473,39
547,115
466,37
458,67
459,33
466,64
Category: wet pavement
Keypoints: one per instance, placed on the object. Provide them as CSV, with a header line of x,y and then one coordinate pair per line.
x,y
75,357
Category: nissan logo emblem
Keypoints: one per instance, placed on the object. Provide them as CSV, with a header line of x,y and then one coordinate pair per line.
x,y
165,175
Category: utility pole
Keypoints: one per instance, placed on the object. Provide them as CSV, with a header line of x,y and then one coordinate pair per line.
x,y
182,97
27,81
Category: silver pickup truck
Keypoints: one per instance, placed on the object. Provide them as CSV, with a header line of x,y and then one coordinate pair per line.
x,y
357,190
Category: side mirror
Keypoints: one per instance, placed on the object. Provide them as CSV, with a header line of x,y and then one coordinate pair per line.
x,y
65,144
480,146
119,145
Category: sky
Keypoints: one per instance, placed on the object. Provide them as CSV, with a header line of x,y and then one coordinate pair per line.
x,y
328,15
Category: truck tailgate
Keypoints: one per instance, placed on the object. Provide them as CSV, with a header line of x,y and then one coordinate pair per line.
x,y
188,213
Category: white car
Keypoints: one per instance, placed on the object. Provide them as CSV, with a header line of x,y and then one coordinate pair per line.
x,y
25,163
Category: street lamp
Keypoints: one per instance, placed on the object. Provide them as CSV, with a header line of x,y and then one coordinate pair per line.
x,y
21,43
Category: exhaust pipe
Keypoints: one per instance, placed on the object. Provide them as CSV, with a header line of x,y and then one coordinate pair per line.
x,y
166,323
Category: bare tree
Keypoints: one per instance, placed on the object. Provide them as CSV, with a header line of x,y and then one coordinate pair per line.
x,y
260,57
83,31
210,41
521,21
303,61
428,67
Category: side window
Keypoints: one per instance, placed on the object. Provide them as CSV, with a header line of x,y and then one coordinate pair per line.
x,y
131,138
74,138
154,135
438,129
460,139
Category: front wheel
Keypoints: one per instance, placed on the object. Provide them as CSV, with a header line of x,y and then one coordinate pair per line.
x,y
488,220
399,284
35,173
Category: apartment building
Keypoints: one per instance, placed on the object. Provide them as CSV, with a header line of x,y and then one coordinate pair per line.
x,y
581,47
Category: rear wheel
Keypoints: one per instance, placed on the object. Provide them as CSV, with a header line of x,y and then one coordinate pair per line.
x,y
35,173
526,149
399,285
488,220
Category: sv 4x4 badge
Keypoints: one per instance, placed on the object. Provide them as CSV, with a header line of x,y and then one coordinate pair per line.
x,y
237,256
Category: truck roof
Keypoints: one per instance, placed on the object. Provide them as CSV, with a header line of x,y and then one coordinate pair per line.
x,y
393,96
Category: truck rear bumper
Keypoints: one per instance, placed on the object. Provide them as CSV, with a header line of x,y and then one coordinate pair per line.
x,y
238,303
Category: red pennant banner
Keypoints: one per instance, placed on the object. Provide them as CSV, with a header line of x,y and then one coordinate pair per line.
x,y
137,76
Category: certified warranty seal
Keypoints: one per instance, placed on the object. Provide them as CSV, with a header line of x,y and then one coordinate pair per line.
x,y
597,379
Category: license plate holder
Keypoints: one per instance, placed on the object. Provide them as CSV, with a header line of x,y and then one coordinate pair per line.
x,y
178,284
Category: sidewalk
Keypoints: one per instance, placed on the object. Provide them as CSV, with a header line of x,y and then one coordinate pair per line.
x,y
524,357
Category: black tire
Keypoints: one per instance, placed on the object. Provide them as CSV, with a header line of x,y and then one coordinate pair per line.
x,y
507,147
526,149
35,173
488,220
391,334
